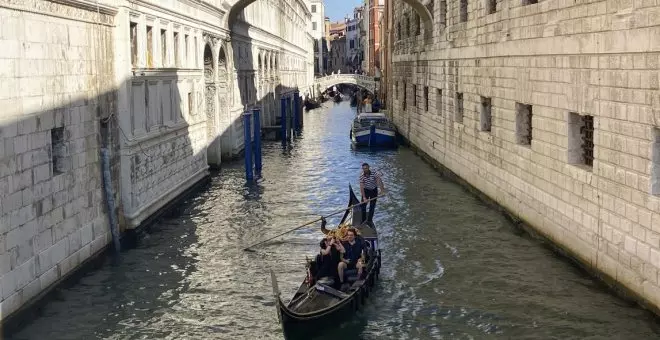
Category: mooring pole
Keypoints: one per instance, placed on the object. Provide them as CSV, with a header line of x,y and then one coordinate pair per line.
x,y
247,120
302,112
283,119
289,120
296,111
257,141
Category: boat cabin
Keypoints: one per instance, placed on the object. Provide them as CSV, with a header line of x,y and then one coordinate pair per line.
x,y
368,119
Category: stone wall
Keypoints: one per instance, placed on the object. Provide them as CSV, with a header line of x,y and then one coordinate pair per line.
x,y
504,95
156,82
56,66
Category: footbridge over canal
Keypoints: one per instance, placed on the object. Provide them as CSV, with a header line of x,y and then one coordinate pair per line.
x,y
366,82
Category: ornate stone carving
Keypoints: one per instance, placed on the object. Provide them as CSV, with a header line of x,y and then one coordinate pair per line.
x,y
210,101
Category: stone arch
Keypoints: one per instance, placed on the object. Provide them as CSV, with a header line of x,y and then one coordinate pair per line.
x,y
417,5
209,73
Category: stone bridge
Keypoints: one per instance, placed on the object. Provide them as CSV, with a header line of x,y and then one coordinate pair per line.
x,y
366,82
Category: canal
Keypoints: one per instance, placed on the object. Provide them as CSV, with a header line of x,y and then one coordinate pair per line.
x,y
453,268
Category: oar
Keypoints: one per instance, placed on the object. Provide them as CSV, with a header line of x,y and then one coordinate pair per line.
x,y
310,222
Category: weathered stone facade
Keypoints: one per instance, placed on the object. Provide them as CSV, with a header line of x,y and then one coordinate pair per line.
x,y
156,82
57,81
550,109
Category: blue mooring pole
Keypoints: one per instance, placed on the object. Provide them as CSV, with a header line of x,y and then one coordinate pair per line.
x,y
283,118
289,120
296,111
247,120
257,141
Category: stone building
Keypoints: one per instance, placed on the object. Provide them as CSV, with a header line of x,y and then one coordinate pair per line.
x,y
161,85
317,7
374,10
550,109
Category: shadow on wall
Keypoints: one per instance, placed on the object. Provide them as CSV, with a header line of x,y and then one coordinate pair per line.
x,y
53,213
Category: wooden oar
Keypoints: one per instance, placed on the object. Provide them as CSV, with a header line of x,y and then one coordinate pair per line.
x,y
310,222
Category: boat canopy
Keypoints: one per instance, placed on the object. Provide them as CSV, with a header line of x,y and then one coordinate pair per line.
x,y
371,116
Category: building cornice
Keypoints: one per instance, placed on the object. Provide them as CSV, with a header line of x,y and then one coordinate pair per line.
x,y
216,12
63,9
90,5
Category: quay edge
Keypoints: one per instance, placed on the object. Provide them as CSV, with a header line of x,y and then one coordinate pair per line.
x,y
546,239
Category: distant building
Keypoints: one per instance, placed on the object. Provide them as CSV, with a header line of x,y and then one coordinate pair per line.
x,y
337,53
374,13
318,32
353,46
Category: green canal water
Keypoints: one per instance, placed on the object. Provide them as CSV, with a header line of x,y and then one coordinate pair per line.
x,y
453,268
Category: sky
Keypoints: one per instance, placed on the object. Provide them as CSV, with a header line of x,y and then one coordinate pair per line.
x,y
338,9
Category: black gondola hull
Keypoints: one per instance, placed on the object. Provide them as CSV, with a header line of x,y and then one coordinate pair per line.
x,y
296,326
315,308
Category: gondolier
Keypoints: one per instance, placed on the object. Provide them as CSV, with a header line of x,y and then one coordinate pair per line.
x,y
369,183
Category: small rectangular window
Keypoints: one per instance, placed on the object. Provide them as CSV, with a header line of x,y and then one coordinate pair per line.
x,y
163,48
655,168
443,12
313,8
196,54
405,94
186,47
134,47
464,11
491,6
459,107
530,2
438,101
58,153
150,47
177,57
426,98
414,95
524,124
486,117
580,139
314,25
191,104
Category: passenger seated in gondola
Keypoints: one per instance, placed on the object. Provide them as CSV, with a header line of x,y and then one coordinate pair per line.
x,y
354,255
327,260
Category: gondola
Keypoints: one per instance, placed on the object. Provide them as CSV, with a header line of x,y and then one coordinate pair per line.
x,y
311,104
320,305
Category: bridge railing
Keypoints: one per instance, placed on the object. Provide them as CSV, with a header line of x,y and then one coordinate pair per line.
x,y
345,76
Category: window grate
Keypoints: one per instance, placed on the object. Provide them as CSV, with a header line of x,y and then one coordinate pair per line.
x,y
587,132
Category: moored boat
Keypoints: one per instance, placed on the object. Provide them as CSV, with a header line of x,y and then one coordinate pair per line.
x,y
320,304
311,104
373,130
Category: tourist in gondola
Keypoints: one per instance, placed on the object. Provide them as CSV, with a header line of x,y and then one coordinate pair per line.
x,y
369,183
353,257
329,257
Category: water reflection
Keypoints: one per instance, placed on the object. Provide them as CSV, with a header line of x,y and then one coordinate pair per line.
x,y
452,267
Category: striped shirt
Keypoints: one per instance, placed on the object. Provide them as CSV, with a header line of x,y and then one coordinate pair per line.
x,y
370,182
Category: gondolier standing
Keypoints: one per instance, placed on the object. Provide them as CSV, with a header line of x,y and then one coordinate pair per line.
x,y
369,183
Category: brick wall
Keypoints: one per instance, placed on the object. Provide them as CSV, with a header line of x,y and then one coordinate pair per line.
x,y
54,72
561,61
